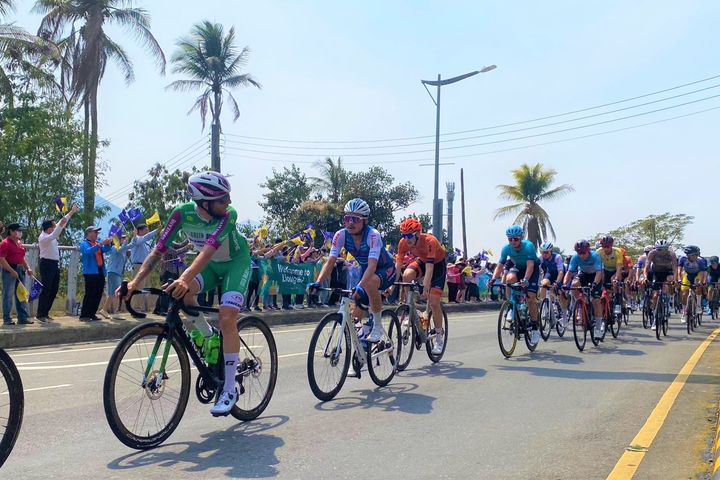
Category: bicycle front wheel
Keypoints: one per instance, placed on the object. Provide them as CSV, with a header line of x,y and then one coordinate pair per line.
x,y
406,345
12,404
434,338
257,368
506,330
143,405
328,358
546,319
382,356
579,326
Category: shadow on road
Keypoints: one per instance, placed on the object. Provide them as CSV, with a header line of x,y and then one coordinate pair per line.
x,y
607,375
244,449
448,369
394,397
543,355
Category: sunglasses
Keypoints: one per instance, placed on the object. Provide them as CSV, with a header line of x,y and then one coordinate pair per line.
x,y
514,239
224,199
408,236
352,219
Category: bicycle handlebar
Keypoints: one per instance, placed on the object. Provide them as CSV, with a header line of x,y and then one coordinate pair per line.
x,y
191,310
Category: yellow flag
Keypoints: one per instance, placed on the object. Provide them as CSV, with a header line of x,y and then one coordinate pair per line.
x,y
261,232
22,293
349,257
491,252
155,218
297,241
116,242
311,232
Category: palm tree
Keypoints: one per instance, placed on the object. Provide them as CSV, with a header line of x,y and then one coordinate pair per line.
x,y
332,180
532,185
211,60
88,49
22,54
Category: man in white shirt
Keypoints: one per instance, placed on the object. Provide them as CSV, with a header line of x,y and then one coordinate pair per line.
x,y
50,263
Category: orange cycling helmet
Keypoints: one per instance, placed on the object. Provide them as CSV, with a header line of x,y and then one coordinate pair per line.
x,y
410,225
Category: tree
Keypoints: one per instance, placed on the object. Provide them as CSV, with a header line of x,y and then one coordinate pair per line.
x,y
286,192
213,63
161,192
532,185
646,231
22,58
41,157
333,179
92,49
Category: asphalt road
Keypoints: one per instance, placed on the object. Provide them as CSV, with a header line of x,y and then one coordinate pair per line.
x,y
555,413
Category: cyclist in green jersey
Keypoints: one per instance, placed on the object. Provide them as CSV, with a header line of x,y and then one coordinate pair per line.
x,y
224,260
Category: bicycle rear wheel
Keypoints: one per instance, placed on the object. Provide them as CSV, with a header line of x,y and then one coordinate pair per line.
x,y
257,368
659,316
507,338
546,318
406,345
328,358
143,411
11,406
579,322
382,356
690,313
433,337
560,326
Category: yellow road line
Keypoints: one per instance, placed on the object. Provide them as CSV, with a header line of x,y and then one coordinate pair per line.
x,y
630,460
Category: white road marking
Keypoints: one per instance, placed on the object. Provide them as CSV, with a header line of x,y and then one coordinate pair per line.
x,y
43,388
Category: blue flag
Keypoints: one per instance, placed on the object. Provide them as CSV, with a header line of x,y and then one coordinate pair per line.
x,y
35,289
123,217
135,215
328,235
115,231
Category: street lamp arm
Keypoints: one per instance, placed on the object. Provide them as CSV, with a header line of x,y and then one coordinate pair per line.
x,y
448,81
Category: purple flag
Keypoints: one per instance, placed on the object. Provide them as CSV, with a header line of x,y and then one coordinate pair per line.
x,y
123,217
135,215
328,235
115,231
35,289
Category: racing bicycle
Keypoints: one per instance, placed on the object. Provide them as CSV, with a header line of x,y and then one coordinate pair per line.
x,y
12,404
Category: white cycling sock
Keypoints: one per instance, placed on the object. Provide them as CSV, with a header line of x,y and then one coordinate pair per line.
x,y
376,318
231,360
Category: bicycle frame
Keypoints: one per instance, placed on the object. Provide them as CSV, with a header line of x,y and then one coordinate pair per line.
x,y
413,290
344,312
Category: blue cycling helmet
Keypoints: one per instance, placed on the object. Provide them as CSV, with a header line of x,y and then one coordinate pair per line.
x,y
546,247
514,231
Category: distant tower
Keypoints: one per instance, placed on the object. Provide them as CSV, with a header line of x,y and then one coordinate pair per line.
x,y
450,197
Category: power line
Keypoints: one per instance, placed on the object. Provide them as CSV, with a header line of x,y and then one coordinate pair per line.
x,y
294,147
195,149
547,117
476,154
524,137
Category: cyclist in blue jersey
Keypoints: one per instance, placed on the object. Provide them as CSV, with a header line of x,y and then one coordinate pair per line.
x,y
378,268
713,272
590,268
553,269
526,270
692,272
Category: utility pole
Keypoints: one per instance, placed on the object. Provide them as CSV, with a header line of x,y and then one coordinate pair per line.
x,y
450,198
437,202
462,209
215,149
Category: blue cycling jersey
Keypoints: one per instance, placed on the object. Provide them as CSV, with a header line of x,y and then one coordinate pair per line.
x,y
371,246
592,264
552,265
520,256
693,268
714,273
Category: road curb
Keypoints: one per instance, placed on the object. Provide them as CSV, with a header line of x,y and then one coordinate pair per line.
x,y
71,330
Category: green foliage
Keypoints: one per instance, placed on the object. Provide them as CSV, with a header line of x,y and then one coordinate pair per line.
x,y
162,192
286,191
41,157
646,231
289,207
532,185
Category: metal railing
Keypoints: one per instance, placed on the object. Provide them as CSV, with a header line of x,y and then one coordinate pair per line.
x,y
69,262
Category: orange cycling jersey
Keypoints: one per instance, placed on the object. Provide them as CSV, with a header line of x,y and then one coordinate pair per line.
x,y
427,249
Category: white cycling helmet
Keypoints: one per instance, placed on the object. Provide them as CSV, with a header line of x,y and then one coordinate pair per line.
x,y
662,244
208,186
357,206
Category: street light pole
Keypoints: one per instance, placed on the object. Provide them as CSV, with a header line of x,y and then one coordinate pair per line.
x,y
437,206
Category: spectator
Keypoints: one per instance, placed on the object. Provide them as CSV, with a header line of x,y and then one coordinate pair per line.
x,y
50,264
115,271
139,250
252,298
171,268
453,281
94,270
14,267
462,284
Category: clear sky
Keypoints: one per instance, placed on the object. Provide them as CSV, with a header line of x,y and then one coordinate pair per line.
x,y
350,71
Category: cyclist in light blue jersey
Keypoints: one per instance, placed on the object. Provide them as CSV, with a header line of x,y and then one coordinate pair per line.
x,y
590,267
526,270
